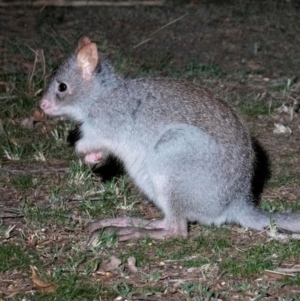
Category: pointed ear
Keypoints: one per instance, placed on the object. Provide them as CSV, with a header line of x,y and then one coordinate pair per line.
x,y
87,60
82,42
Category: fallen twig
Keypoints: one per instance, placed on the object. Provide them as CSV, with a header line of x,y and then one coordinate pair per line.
x,y
17,215
35,171
288,270
83,3
279,273
145,299
182,259
181,280
11,213
8,97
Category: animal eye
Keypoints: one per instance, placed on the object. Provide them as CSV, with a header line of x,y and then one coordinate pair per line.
x,y
62,87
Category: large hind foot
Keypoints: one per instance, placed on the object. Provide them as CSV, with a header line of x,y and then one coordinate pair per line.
x,y
133,228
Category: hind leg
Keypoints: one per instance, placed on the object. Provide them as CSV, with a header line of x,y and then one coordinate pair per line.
x,y
174,223
133,228
126,228
166,185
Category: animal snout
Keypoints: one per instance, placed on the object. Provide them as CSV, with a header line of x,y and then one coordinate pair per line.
x,y
44,103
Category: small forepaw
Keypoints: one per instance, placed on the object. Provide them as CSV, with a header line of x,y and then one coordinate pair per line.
x,y
93,158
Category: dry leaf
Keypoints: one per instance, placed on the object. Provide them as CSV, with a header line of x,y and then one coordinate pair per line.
x,y
38,116
281,129
285,113
284,109
277,275
111,265
41,285
8,232
131,261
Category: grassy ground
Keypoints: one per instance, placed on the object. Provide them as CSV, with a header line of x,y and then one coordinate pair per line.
x,y
246,51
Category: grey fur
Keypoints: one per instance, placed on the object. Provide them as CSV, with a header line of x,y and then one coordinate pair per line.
x,y
184,148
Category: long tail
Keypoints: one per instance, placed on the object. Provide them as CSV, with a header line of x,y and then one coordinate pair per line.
x,y
252,217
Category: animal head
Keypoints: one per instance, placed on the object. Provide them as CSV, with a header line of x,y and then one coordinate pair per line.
x,y
72,82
